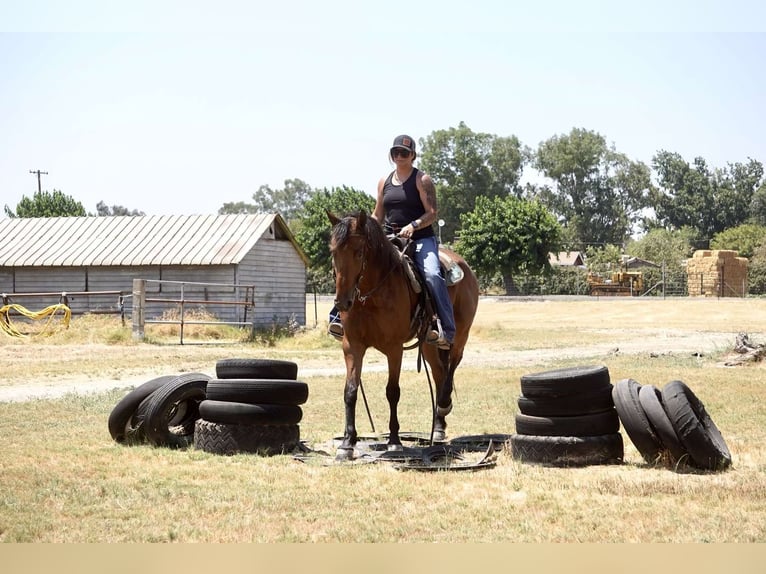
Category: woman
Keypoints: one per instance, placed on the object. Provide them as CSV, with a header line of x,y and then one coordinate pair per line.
x,y
406,205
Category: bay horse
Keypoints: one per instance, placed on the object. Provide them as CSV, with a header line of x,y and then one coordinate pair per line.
x,y
377,301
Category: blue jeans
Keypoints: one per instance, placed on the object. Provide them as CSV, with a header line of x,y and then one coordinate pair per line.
x,y
427,260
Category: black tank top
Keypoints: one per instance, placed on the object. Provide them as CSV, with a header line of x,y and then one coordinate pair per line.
x,y
402,205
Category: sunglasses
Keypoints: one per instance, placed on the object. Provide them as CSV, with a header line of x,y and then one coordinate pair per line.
x,y
398,151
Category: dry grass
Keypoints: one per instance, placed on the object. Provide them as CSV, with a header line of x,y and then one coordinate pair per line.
x,y
62,479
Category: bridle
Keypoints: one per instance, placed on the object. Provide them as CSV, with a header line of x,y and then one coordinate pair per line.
x,y
357,293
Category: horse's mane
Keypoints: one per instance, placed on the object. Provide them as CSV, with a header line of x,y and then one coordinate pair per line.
x,y
377,242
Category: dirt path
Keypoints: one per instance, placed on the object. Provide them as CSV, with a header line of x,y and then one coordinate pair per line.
x,y
627,342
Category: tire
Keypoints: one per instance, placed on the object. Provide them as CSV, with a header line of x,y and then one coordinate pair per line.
x,y
229,439
258,391
597,424
634,421
694,427
173,411
121,423
565,382
256,369
244,413
568,450
579,404
650,398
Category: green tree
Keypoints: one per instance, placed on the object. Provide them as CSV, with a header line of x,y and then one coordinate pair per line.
x,y
670,248
313,232
597,192
709,201
744,238
508,235
465,165
103,209
46,204
288,201
605,259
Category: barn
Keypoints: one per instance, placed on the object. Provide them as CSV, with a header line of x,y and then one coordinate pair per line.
x,y
211,262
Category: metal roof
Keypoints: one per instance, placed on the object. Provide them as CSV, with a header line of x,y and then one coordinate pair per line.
x,y
135,240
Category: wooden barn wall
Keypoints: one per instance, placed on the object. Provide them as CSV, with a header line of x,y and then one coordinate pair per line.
x,y
279,276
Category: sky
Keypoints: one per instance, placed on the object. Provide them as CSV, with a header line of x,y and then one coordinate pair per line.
x,y
175,108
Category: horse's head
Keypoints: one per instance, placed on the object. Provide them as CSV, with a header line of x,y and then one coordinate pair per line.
x,y
348,247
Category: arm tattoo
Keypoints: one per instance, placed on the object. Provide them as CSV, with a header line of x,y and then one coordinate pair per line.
x,y
430,190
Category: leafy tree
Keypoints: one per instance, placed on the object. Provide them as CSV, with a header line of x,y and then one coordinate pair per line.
x,y
313,233
598,192
664,247
46,204
465,165
709,201
288,201
103,209
758,206
605,259
744,238
508,235
756,272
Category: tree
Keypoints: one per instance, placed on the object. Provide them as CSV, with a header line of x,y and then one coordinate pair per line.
x,y
597,192
288,201
745,239
103,209
508,235
709,201
46,204
465,165
313,231
664,247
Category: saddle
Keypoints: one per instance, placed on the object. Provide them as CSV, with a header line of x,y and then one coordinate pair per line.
x,y
424,316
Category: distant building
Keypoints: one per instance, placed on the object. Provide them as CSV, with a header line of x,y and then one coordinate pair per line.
x,y
567,259
87,256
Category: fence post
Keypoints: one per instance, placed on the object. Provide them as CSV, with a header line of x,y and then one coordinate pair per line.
x,y
139,302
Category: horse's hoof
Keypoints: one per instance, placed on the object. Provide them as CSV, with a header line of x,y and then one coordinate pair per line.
x,y
344,454
440,436
395,448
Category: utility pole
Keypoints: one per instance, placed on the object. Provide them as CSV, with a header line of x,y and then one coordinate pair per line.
x,y
39,173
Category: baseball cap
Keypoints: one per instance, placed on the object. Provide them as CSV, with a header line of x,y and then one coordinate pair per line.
x,y
405,142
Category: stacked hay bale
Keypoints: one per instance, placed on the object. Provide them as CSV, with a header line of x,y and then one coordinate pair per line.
x,y
717,273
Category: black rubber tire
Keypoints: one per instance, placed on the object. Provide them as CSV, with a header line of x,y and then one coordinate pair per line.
x,y
565,382
579,404
568,450
256,369
174,409
244,413
121,423
229,439
258,391
650,398
606,422
694,427
634,421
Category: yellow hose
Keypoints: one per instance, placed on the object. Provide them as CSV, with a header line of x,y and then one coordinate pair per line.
x,y
50,312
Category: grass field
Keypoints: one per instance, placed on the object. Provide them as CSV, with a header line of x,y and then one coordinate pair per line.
x,y
62,478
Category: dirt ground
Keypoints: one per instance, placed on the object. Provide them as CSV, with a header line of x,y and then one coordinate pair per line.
x,y
623,341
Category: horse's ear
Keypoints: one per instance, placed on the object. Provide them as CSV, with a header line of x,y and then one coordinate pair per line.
x,y
362,219
333,218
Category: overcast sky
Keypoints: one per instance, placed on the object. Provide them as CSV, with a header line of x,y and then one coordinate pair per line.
x,y
179,107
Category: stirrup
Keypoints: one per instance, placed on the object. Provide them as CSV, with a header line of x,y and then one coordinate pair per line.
x,y
336,330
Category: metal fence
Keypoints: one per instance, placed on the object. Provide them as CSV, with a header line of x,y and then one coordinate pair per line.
x,y
242,296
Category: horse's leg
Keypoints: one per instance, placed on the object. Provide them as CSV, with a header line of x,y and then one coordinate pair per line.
x,y
353,377
393,392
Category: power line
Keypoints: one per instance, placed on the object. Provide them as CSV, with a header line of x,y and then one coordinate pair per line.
x,y
39,173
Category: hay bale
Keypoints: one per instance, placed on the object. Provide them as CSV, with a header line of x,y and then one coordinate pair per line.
x,y
717,273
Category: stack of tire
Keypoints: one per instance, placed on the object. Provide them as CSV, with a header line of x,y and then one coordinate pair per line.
x,y
670,426
162,411
252,406
567,418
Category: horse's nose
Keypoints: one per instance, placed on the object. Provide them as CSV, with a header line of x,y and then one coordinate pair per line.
x,y
343,303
